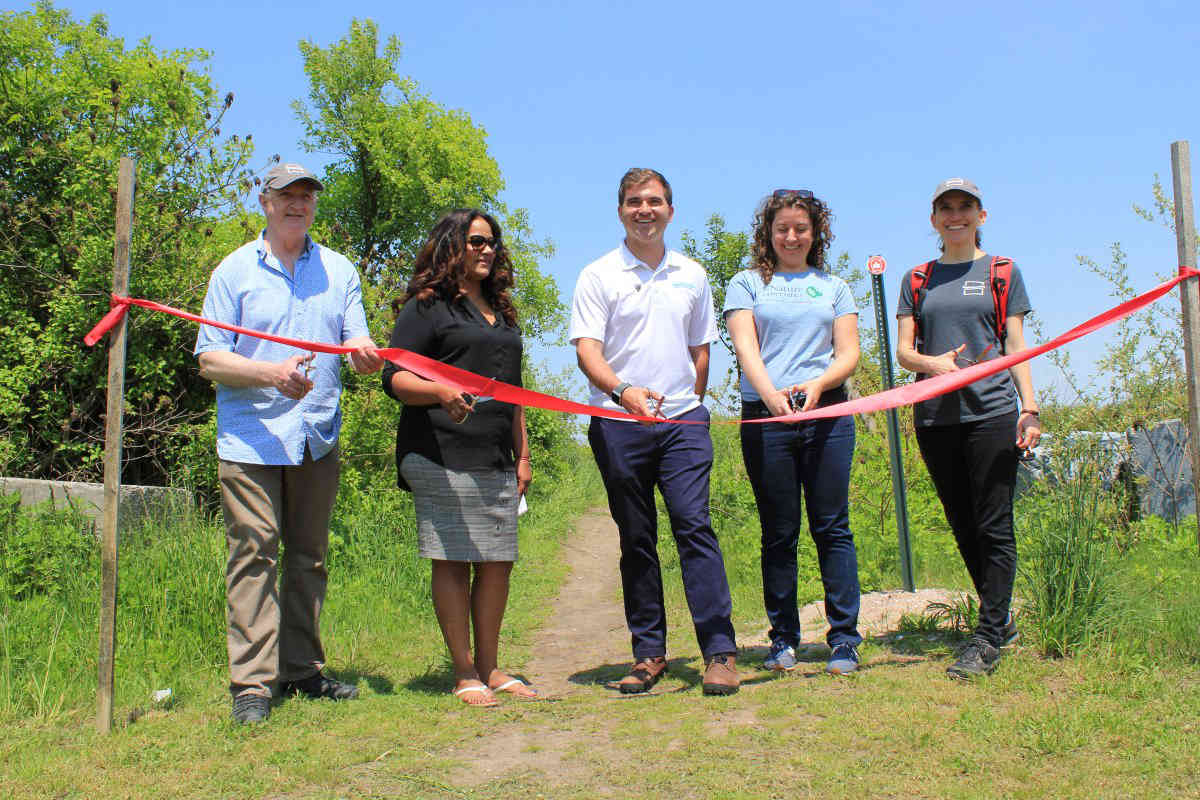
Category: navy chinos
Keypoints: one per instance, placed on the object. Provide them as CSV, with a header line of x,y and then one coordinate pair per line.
x,y
633,459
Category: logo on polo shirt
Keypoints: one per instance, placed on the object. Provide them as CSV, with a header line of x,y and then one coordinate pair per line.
x,y
682,285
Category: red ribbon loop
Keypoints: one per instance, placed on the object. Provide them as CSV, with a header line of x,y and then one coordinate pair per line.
x,y
465,381
118,306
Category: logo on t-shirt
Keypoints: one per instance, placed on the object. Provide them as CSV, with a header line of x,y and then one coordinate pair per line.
x,y
813,291
974,288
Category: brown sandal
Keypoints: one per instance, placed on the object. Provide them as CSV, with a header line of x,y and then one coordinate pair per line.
x,y
643,676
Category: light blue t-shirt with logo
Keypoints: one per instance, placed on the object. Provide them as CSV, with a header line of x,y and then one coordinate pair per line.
x,y
794,316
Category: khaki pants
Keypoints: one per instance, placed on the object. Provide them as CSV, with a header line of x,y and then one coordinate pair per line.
x,y
273,630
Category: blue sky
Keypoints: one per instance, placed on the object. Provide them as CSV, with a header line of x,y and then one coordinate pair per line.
x,y
1061,112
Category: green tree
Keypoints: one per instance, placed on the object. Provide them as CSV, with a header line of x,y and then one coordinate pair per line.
x,y
400,160
725,253
74,100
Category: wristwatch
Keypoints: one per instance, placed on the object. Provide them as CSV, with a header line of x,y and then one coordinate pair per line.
x,y
619,390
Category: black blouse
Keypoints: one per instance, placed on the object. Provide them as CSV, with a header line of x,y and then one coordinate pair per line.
x,y
457,334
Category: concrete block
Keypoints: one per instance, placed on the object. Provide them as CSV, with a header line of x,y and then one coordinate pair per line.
x,y
137,502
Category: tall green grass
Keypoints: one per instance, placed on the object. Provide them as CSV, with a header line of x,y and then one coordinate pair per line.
x,y
1076,591
171,600
1066,560
1155,597
170,615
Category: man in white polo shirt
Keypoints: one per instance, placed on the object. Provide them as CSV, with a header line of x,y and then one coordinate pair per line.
x,y
641,322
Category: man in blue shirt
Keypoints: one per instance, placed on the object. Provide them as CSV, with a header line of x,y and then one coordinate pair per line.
x,y
278,419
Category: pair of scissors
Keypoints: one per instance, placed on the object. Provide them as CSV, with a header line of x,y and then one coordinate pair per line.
x,y
978,358
472,399
658,408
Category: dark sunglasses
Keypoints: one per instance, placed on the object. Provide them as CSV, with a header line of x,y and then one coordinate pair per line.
x,y
803,194
478,242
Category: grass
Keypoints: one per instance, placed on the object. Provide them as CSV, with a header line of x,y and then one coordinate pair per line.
x,y
1068,563
377,625
960,615
1118,719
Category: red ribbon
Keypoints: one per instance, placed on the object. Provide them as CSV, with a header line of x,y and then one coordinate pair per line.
x,y
466,381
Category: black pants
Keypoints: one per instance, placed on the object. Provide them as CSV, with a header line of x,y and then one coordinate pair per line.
x,y
974,469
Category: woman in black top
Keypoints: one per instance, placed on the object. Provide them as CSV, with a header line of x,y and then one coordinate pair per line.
x,y
970,438
465,459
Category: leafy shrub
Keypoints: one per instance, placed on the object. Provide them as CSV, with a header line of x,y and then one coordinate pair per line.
x,y
75,101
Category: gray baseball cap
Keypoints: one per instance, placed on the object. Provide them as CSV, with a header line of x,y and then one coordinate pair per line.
x,y
286,173
958,185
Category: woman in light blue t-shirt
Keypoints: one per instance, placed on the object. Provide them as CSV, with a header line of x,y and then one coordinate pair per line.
x,y
795,329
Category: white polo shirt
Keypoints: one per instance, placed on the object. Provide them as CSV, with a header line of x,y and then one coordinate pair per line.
x,y
646,318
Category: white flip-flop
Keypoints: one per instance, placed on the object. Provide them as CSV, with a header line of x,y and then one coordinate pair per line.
x,y
475,689
504,687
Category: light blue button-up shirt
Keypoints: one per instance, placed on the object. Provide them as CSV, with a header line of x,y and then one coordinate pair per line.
x,y
320,302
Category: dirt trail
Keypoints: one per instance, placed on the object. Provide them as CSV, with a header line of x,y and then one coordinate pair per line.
x,y
586,627
583,645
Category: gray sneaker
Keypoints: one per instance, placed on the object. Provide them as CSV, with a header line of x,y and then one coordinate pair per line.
x,y
251,709
843,660
977,659
782,657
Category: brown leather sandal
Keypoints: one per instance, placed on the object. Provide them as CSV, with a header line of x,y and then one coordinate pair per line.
x,y
643,676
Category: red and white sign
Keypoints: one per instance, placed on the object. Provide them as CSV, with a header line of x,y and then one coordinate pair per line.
x,y
876,265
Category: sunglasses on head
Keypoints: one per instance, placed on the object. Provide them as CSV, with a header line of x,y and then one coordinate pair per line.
x,y
803,194
479,242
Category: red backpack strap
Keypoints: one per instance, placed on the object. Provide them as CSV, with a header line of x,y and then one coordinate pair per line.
x,y
1000,279
918,279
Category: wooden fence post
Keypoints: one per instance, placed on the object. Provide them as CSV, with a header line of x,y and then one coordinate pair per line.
x,y
1189,297
112,451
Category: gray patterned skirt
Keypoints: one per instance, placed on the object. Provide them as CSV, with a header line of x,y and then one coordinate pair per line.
x,y
463,516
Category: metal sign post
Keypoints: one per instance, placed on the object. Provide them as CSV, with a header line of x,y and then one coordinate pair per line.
x,y
876,265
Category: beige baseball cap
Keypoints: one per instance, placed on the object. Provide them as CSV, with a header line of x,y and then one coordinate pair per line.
x,y
286,173
958,185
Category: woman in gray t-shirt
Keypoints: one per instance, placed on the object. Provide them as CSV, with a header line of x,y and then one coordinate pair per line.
x,y
970,438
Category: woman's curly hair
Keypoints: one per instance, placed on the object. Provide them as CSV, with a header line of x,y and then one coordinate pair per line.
x,y
763,256
440,267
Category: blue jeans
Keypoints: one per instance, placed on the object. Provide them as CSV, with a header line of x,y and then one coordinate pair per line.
x,y
783,460
633,459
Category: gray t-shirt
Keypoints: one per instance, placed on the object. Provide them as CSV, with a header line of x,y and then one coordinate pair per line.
x,y
959,308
